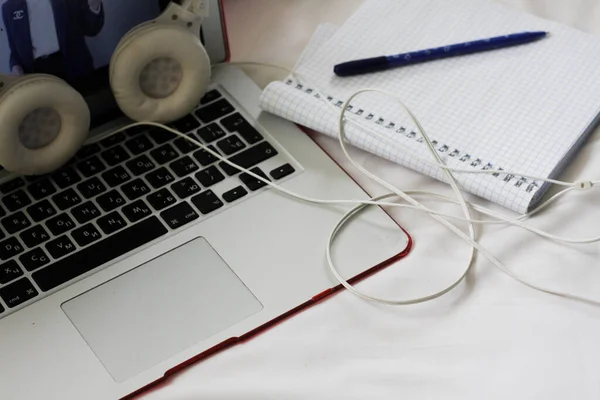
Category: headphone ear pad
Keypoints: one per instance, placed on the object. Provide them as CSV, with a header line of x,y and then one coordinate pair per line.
x,y
159,73
44,123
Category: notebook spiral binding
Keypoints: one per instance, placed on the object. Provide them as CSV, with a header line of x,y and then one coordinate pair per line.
x,y
521,182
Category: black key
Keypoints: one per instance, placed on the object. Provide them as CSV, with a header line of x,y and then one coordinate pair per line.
x,y
34,236
185,188
15,222
11,185
85,212
40,211
185,124
164,154
139,144
2,214
160,135
99,253
253,183
159,178
282,172
237,123
204,157
161,199
214,111
9,271
249,158
179,215
10,248
210,96
135,189
66,177
235,194
136,130
41,189
115,155
66,199
210,133
184,145
110,201
113,139
86,234
60,224
16,200
88,151
92,187
209,176
136,211
116,176
18,293
111,223
231,144
34,259
91,166
1,309
207,202
140,165
183,166
60,247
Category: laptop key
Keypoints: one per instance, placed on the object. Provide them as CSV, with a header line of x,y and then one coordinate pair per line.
x,y
116,176
179,215
253,183
34,236
10,248
15,222
140,165
111,223
11,185
110,201
99,253
185,124
185,146
210,133
113,139
207,202
34,259
231,144
92,187
185,188
249,158
159,178
2,214
66,199
183,166
135,189
164,154
9,271
139,144
40,189
87,151
16,200
209,176
66,177
282,172
209,96
86,234
160,135
60,247
136,211
234,194
204,157
60,224
214,111
85,212
40,211
161,199
91,166
237,123
115,155
18,292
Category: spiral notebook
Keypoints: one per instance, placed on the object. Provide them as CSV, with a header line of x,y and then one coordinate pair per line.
x,y
527,108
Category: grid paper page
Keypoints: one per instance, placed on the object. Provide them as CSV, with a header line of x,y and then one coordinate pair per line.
x,y
522,108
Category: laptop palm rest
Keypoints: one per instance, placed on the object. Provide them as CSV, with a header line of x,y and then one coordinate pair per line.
x,y
160,308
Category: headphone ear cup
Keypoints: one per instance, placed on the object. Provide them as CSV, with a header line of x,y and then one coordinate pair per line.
x,y
159,73
44,122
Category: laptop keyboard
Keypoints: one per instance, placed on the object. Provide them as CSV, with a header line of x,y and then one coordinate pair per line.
x,y
123,192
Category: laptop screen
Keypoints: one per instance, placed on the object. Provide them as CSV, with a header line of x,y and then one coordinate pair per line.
x,y
74,39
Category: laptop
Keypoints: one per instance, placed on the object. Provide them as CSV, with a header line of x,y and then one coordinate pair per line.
x,y
145,254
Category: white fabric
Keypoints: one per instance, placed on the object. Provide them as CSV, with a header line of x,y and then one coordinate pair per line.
x,y
491,338
43,30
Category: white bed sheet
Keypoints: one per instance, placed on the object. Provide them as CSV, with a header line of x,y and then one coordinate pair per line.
x,y
491,338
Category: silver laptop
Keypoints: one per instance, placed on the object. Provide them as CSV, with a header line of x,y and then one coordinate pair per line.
x,y
145,253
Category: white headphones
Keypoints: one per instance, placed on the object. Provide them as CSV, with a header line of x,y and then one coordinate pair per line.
x,y
159,72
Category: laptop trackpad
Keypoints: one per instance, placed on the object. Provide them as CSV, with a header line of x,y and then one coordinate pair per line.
x,y
160,308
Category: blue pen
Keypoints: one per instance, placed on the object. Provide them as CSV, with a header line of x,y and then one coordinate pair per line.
x,y
382,63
